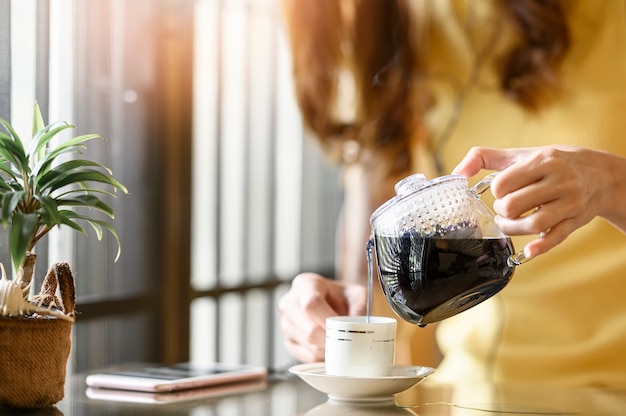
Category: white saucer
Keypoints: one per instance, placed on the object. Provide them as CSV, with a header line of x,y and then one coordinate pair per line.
x,y
361,389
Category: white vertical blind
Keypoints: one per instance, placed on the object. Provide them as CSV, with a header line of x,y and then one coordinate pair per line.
x,y
248,175
289,173
233,114
23,61
261,105
247,146
61,104
204,154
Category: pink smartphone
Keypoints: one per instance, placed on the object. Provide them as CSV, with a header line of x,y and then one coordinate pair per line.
x,y
228,389
182,376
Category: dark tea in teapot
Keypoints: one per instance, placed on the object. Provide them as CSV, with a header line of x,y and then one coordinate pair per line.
x,y
438,249
430,278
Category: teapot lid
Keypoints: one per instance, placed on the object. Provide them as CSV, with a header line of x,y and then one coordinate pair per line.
x,y
408,187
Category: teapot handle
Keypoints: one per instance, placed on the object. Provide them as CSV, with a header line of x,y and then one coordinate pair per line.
x,y
482,185
477,190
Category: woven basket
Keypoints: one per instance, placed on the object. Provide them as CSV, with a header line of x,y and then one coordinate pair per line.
x,y
34,351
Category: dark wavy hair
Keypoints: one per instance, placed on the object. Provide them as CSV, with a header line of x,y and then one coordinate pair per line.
x,y
380,50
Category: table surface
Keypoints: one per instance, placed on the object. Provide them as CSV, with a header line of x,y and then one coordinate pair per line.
x,y
285,394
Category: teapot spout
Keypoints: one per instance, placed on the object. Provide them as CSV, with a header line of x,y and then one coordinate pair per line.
x,y
370,275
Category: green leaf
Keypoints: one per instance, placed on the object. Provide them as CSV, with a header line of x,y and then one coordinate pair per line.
x,y
43,136
97,226
49,210
68,215
13,152
54,180
87,201
72,145
38,123
10,200
11,131
67,167
3,183
23,227
70,192
95,223
9,171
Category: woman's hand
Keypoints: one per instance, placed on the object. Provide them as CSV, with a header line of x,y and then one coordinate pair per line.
x,y
552,190
304,309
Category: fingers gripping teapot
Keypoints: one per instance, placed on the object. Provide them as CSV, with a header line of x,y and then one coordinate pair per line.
x,y
438,249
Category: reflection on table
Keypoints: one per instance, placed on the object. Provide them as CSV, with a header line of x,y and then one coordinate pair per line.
x,y
286,394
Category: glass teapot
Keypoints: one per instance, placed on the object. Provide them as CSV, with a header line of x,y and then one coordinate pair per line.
x,y
438,249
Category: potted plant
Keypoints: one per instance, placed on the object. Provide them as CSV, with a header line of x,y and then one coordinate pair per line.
x,y
39,191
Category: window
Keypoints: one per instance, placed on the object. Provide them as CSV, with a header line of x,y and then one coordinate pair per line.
x,y
253,175
227,201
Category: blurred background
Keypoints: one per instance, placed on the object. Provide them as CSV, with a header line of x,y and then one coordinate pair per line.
x,y
228,198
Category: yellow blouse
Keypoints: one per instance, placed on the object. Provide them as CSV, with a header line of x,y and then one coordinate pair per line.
x,y
563,316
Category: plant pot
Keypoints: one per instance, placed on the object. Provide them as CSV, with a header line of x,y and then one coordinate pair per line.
x,y
33,359
34,350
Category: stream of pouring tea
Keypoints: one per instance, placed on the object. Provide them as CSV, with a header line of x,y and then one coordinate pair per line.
x,y
370,277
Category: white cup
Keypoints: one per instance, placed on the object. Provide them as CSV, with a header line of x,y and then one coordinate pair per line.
x,y
356,347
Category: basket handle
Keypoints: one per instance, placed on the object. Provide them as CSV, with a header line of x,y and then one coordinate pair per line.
x,y
60,275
